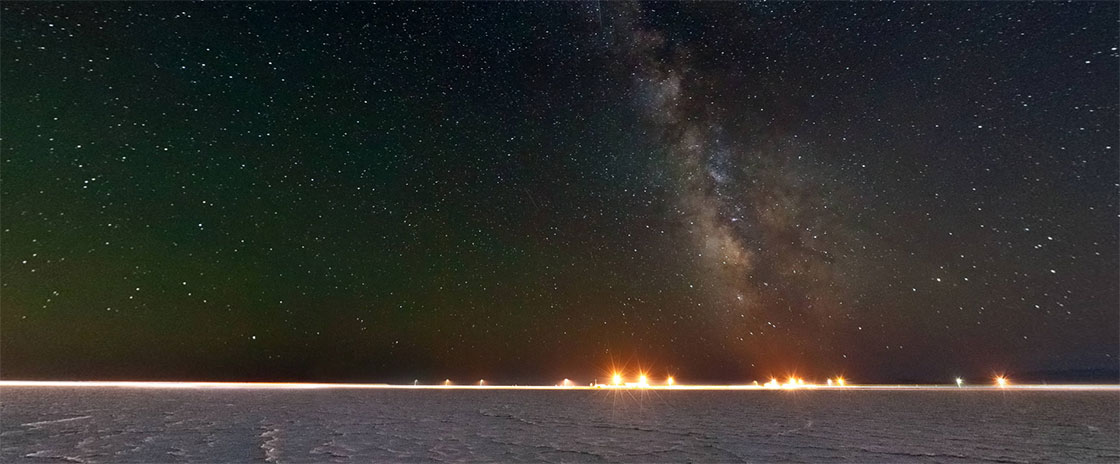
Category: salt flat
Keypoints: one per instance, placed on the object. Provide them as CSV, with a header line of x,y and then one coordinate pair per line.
x,y
60,424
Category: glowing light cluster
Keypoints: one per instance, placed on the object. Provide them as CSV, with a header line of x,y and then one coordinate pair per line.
x,y
618,380
798,382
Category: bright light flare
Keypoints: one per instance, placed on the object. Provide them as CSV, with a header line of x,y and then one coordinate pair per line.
x,y
960,382
643,381
617,379
670,381
794,382
1001,381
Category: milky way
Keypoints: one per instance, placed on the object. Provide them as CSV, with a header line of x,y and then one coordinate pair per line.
x,y
759,209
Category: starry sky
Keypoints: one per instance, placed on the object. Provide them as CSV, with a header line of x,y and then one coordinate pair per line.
x,y
522,193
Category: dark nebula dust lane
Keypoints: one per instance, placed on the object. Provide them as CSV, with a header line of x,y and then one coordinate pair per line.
x,y
759,218
525,193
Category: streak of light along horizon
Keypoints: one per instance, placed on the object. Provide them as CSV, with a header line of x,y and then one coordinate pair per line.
x,y
750,387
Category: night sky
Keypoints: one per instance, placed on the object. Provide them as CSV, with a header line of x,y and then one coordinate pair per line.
x,y
523,193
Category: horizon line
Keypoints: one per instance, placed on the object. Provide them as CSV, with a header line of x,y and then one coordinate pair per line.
x,y
573,387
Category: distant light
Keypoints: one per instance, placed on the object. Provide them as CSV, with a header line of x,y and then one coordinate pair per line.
x,y
793,382
830,382
447,382
670,381
960,381
840,380
642,380
481,382
617,380
1001,381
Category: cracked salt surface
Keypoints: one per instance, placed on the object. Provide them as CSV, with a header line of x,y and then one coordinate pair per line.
x,y
128,425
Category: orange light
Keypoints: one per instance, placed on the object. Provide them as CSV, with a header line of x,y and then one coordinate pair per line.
x,y
1001,381
840,381
617,380
670,381
642,380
